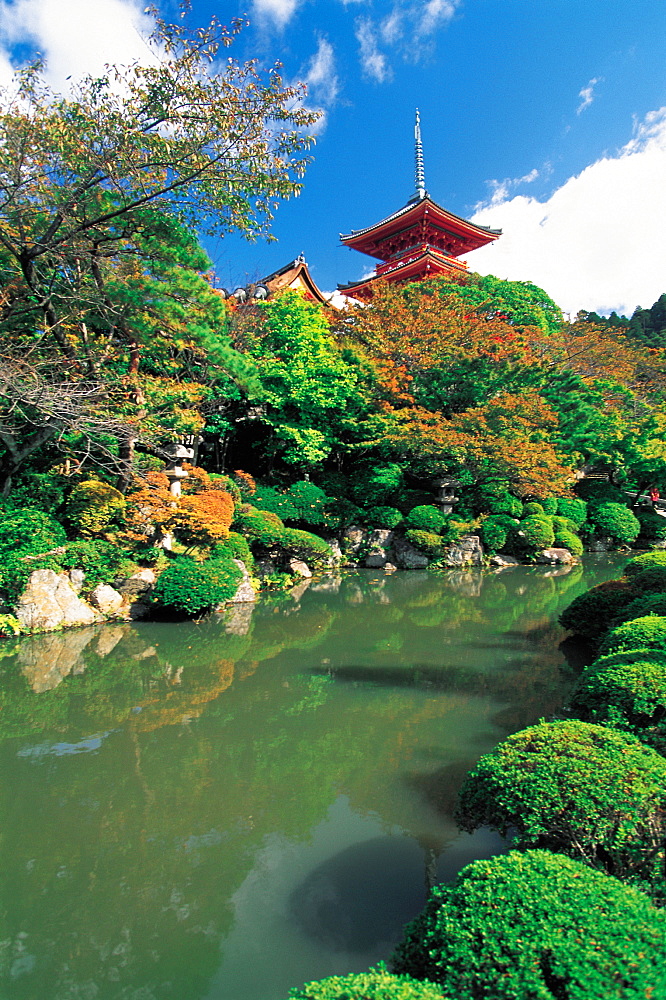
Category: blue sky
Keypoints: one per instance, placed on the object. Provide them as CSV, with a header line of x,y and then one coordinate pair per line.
x,y
546,118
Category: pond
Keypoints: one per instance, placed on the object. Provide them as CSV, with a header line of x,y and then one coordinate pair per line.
x,y
229,808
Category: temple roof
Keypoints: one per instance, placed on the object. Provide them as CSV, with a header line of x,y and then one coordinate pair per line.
x,y
414,215
294,275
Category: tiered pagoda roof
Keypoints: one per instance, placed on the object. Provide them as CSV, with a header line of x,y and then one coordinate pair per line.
x,y
418,241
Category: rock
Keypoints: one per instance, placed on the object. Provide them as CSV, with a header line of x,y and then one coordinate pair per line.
x,y
265,567
555,557
352,540
501,560
106,599
376,560
138,583
48,602
379,540
245,593
46,659
467,551
299,568
389,568
237,618
406,556
336,551
76,578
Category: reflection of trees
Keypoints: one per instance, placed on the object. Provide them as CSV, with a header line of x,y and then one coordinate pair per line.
x,y
121,861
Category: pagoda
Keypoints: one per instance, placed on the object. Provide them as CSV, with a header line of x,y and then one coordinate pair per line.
x,y
418,241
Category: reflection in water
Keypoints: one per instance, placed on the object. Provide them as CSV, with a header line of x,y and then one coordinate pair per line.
x,y
227,808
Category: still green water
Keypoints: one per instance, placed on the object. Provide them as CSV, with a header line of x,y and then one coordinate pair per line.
x,y
226,809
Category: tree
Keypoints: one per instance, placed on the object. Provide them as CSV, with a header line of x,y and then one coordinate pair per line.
x,y
536,925
99,269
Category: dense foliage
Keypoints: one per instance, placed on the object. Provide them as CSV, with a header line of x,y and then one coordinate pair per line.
x,y
376,984
582,789
536,924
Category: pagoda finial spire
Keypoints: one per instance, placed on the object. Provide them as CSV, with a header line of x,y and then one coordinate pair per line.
x,y
419,171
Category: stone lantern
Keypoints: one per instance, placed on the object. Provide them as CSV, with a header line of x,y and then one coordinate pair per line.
x,y
446,497
174,471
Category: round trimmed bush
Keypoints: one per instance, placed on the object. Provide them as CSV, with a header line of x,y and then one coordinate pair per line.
x,y
530,536
383,517
566,540
573,509
648,632
650,604
190,587
491,499
493,532
650,580
645,561
565,524
549,505
616,521
93,505
537,926
530,509
588,791
592,613
653,525
376,984
267,498
304,545
631,693
427,541
426,518
260,526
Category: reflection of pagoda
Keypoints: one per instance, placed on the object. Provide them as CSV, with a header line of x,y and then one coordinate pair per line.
x,y
418,241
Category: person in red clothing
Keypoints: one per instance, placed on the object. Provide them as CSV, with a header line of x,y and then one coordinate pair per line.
x,y
654,495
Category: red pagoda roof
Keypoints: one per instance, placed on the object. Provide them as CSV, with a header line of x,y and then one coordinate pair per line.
x,y
426,262
419,222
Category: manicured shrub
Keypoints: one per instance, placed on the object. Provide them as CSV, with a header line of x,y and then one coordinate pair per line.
x,y
592,613
426,518
653,525
567,540
30,530
650,580
237,545
259,526
631,694
221,482
549,505
588,791
98,559
492,499
645,561
426,541
649,604
383,517
376,984
614,520
537,926
530,536
309,502
266,498
93,505
493,532
304,545
573,509
189,587
531,509
564,524
648,632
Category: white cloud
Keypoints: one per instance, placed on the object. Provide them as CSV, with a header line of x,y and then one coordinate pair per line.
x,y
75,37
280,12
587,94
432,15
597,242
373,62
322,82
